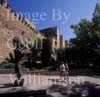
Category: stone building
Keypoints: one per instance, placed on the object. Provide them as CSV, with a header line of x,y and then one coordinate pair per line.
x,y
62,42
53,33
68,44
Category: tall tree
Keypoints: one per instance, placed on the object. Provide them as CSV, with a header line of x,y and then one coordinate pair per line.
x,y
96,34
46,52
88,36
82,40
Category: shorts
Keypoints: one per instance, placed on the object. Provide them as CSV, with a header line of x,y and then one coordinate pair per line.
x,y
62,73
67,73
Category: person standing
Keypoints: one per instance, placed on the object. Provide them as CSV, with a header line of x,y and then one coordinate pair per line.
x,y
62,71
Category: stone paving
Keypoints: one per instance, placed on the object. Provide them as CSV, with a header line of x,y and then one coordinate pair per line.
x,y
54,86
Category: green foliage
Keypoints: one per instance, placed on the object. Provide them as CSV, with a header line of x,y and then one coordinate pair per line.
x,y
82,29
46,52
86,47
38,44
7,66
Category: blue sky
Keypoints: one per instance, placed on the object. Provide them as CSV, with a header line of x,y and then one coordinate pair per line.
x,y
73,10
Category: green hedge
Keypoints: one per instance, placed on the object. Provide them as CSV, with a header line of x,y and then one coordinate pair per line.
x,y
7,66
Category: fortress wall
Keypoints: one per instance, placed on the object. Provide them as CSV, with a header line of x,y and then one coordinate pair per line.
x,y
12,25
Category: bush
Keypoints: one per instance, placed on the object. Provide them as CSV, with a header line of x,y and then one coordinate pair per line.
x,y
7,66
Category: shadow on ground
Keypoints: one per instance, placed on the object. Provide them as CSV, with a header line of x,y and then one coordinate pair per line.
x,y
85,89
7,85
82,90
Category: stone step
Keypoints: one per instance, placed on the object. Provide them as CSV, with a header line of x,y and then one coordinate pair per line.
x,y
22,92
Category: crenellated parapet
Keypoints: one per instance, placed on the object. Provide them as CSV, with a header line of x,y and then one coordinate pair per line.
x,y
14,16
13,24
3,2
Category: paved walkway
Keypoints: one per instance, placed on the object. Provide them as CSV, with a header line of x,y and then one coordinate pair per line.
x,y
39,82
